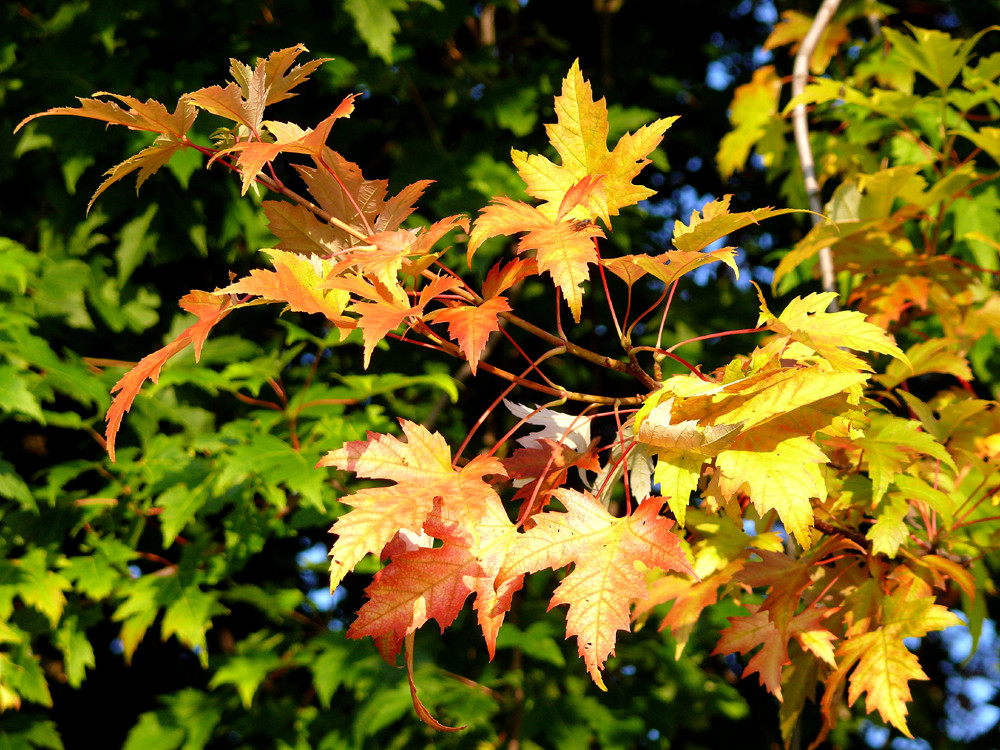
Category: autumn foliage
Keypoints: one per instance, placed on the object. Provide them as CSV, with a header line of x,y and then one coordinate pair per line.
x,y
805,480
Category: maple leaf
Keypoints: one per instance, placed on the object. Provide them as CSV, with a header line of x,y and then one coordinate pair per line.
x,y
297,281
745,633
571,429
563,248
543,466
891,445
716,222
150,116
422,471
472,325
209,309
388,308
299,230
753,114
829,334
580,137
392,251
433,583
416,586
882,664
668,266
605,579
288,138
759,429
502,277
244,99
793,28
689,600
340,189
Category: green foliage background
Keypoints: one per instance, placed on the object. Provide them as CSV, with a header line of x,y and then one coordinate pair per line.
x,y
175,598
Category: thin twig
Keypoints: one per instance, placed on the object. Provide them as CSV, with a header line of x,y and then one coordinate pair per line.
x,y
800,74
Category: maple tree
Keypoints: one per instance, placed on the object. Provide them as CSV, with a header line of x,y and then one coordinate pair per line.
x,y
868,502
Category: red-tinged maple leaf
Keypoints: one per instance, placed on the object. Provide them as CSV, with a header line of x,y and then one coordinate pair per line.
x,y
580,136
279,76
491,535
423,584
882,664
688,601
605,579
745,633
298,282
392,251
472,325
209,309
786,579
543,466
812,636
433,583
503,276
421,468
149,116
400,206
563,248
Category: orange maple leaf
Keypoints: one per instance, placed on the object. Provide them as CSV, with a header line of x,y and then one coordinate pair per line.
x,y
243,100
563,247
209,309
472,325
289,138
605,579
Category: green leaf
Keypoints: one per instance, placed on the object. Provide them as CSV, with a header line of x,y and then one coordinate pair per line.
x,y
376,23
180,504
14,488
22,675
276,463
78,654
197,713
934,53
889,531
538,641
15,396
246,671
136,241
27,731
40,587
914,488
92,575
151,734
189,615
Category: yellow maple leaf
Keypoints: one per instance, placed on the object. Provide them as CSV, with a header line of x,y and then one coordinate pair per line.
x,y
580,137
